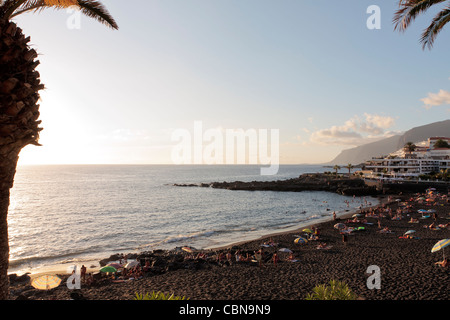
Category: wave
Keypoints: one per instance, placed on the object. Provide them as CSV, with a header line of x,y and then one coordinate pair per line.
x,y
178,238
58,258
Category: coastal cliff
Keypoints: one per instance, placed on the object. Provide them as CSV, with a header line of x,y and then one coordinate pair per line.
x,y
307,182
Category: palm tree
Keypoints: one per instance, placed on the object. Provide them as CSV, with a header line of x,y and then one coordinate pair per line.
x,y
409,147
336,168
349,167
19,95
410,9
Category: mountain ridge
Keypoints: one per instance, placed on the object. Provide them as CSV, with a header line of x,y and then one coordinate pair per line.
x,y
385,146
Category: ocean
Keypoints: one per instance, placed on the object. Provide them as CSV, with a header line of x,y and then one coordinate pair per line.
x,y
64,215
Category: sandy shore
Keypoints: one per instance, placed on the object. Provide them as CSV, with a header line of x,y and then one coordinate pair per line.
x,y
408,270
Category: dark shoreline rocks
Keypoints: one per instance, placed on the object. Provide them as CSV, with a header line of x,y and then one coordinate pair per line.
x,y
307,182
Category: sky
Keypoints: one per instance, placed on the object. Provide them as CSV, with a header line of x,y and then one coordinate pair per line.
x,y
311,70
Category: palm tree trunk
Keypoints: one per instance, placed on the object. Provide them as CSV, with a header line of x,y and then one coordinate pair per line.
x,y
7,172
19,125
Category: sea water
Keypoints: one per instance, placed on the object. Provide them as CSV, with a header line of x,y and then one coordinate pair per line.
x,y
73,213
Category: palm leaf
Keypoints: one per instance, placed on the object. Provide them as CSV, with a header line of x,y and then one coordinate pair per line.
x,y
91,8
409,10
10,6
95,10
438,23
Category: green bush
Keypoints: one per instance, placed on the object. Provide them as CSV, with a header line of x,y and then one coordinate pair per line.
x,y
336,290
158,296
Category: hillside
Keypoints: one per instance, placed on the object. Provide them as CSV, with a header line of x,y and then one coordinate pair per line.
x,y
383,147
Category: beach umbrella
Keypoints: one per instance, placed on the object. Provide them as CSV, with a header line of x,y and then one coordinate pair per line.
x,y
108,269
132,264
340,226
114,265
410,231
188,249
285,250
46,282
421,210
300,240
357,215
441,245
307,230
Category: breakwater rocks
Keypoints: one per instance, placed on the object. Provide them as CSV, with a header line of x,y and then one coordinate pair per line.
x,y
307,182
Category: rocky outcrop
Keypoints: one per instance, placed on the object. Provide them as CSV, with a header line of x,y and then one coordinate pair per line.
x,y
306,182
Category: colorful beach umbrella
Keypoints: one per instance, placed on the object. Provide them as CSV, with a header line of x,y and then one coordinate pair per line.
x,y
187,249
410,231
114,265
108,269
441,245
46,282
340,226
285,250
300,240
307,230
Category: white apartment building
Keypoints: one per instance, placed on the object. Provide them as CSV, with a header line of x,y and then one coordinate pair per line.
x,y
402,164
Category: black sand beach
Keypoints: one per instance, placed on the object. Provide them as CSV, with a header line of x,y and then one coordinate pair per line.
x,y
407,266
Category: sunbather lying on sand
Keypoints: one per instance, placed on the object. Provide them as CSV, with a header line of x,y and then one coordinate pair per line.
x,y
443,263
385,230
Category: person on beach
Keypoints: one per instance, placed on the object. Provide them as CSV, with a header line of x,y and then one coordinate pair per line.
x,y
334,215
443,263
275,258
220,258
344,238
291,257
83,272
238,256
228,257
258,257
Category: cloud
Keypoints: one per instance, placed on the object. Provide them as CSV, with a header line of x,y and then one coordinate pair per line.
x,y
436,99
355,131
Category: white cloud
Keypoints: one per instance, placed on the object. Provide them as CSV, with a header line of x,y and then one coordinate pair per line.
x,y
355,131
436,99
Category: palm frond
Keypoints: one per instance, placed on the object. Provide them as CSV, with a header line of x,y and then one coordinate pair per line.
x,y
95,10
437,24
10,6
409,10
91,8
